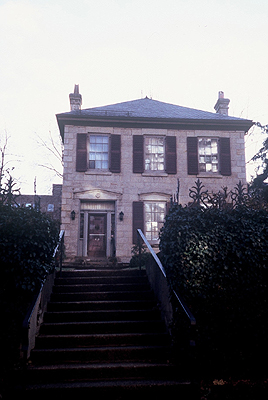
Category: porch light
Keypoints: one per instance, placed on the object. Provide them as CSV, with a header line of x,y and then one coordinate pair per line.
x,y
121,216
73,215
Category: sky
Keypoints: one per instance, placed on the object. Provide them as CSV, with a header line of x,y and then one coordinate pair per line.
x,y
177,51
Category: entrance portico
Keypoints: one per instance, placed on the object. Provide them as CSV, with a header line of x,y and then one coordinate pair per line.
x,y
97,223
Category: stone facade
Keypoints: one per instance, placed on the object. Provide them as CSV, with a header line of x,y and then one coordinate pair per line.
x,y
102,193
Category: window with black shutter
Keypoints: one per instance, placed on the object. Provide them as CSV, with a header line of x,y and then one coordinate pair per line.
x,y
137,219
81,152
225,156
98,152
154,154
171,155
115,163
208,155
192,155
138,158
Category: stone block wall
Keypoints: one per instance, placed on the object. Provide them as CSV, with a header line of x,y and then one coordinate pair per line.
x,y
125,187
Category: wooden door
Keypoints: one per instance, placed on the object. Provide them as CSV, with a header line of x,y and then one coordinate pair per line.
x,y
97,231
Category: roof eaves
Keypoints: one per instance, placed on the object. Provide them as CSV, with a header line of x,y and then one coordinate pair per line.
x,y
79,118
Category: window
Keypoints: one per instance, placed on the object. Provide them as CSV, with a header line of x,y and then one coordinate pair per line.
x,y
208,158
154,214
154,154
98,152
209,155
50,207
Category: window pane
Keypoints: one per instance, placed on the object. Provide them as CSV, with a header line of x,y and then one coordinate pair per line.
x,y
98,147
147,207
92,164
208,167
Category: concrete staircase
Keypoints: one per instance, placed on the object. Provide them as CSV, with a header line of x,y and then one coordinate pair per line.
x,y
103,335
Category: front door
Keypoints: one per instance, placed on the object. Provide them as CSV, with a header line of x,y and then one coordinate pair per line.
x,y
97,231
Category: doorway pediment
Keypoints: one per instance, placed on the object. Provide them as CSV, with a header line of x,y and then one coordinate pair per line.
x,y
96,194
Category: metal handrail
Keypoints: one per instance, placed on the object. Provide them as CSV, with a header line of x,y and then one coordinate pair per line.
x,y
61,235
34,316
59,247
177,296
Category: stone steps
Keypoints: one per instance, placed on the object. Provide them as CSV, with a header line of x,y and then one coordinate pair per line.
x,y
102,335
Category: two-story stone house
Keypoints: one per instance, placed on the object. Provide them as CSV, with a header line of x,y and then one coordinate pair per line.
x,y
122,163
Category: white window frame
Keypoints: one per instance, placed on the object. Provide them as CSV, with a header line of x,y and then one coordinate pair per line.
x,y
98,163
208,159
152,221
148,156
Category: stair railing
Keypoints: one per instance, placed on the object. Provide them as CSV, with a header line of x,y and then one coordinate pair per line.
x,y
158,281
34,317
58,252
159,264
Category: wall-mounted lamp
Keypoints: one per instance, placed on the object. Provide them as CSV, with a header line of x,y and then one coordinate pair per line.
x,y
121,216
73,215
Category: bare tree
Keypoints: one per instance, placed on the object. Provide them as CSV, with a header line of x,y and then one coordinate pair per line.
x,y
3,149
8,189
53,148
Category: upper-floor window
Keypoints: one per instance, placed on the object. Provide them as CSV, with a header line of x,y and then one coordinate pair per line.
x,y
154,154
98,152
208,155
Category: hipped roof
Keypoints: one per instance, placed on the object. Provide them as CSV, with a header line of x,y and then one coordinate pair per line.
x,y
151,113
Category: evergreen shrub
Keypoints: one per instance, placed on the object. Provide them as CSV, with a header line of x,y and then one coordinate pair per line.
x,y
217,260
27,242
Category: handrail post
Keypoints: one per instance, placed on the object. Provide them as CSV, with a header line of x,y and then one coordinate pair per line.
x,y
139,244
61,251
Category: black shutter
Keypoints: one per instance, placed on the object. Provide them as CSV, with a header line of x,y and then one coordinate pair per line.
x,y
138,158
137,218
171,155
225,156
192,155
81,152
115,164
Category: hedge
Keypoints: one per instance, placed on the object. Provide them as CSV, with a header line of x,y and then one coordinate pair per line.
x,y
27,241
217,260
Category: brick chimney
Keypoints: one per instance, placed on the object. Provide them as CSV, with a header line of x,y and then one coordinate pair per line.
x,y
222,104
75,99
